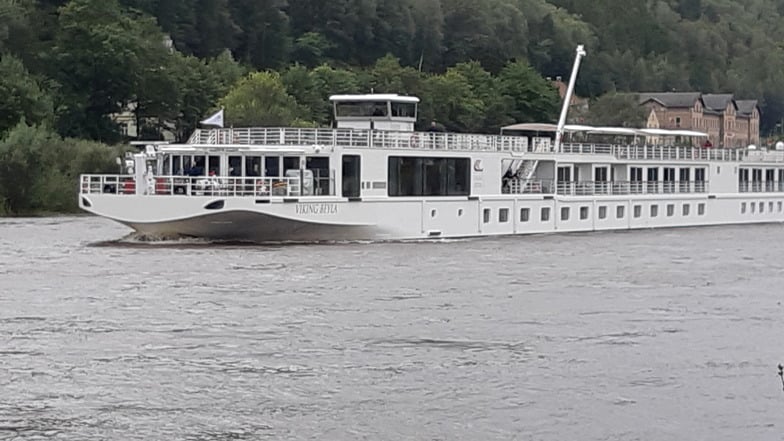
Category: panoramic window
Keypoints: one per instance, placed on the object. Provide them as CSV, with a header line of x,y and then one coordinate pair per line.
x,y
361,108
418,176
407,110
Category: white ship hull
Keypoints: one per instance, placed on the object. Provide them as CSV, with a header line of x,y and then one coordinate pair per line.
x,y
303,220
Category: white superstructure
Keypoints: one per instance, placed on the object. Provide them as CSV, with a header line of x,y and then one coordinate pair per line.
x,y
375,178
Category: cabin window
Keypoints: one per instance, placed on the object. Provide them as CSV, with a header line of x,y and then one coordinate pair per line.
x,y
701,209
252,166
214,166
361,108
620,211
545,214
654,210
564,213
290,163
761,207
742,208
503,215
770,207
602,212
272,166
779,206
753,207
425,176
583,213
525,214
686,208
235,166
637,210
404,110
486,216
351,176
670,210
319,166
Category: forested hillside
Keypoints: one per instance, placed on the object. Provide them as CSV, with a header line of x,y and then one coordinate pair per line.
x,y
70,64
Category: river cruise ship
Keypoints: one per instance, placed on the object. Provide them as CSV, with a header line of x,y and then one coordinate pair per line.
x,y
373,177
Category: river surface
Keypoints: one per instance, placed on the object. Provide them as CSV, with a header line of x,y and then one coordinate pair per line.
x,y
649,335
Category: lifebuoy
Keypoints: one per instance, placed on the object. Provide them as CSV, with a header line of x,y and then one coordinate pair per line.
x,y
413,141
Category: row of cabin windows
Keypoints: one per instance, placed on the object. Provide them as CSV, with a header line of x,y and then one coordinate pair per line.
x,y
620,212
759,207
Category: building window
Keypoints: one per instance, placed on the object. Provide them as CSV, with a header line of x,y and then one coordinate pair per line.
x,y
637,210
564,213
654,210
503,215
686,208
620,211
545,214
701,209
487,215
602,212
742,208
525,214
583,213
670,210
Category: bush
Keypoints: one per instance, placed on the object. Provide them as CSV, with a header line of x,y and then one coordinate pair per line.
x,y
39,170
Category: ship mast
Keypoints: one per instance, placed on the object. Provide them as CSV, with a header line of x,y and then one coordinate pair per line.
x,y
568,98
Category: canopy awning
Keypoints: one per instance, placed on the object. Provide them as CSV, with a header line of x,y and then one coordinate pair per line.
x,y
591,130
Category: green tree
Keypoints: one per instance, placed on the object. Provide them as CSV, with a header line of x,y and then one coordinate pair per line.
x,y
102,57
617,110
534,98
23,97
260,99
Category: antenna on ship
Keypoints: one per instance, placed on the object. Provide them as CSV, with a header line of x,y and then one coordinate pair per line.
x,y
568,98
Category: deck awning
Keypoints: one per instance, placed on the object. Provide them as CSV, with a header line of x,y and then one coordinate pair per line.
x,y
591,130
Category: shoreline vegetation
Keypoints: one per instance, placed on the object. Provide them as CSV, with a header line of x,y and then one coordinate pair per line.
x,y
69,67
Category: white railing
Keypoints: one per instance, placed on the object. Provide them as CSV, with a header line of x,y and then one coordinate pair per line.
x,y
527,186
360,139
662,153
593,188
209,186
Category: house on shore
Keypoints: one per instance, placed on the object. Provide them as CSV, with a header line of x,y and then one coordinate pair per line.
x,y
727,121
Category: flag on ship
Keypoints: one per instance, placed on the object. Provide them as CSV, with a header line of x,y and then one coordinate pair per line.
x,y
214,120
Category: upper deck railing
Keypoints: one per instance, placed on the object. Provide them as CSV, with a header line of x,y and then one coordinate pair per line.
x,y
352,138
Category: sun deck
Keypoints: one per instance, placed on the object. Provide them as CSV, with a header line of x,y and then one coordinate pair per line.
x,y
381,139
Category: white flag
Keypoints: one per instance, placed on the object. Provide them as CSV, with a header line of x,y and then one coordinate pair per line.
x,y
214,120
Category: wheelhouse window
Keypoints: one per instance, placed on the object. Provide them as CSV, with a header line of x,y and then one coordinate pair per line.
x,y
361,108
425,176
404,110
